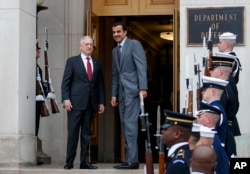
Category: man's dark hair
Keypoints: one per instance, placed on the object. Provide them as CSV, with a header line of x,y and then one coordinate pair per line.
x,y
195,136
124,26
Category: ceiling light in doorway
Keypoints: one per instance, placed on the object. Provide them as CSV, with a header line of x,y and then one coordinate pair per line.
x,y
167,35
39,2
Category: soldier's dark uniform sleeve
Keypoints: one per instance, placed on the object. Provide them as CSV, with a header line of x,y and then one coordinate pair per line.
x,y
237,66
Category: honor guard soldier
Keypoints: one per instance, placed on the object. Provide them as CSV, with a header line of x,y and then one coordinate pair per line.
x,y
222,66
212,89
175,134
204,155
208,116
226,44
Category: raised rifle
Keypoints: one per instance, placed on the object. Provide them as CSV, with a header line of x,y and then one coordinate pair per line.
x,y
190,98
161,157
197,71
40,96
51,93
159,143
188,109
148,150
208,62
185,108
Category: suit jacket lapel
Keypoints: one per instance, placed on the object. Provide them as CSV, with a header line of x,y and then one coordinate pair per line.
x,y
124,49
95,68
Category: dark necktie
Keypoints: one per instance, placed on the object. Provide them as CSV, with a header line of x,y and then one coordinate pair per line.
x,y
89,69
119,53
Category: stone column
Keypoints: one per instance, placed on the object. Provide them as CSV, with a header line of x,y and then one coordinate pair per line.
x,y
17,79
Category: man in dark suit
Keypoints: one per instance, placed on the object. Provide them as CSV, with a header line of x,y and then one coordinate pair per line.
x,y
82,94
129,81
176,131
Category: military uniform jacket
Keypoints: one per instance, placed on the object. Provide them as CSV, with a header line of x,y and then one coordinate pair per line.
x,y
230,102
178,159
235,124
222,160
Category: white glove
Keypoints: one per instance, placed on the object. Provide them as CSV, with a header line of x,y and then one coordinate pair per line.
x,y
38,78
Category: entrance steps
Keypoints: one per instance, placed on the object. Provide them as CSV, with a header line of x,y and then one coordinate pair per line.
x,y
103,168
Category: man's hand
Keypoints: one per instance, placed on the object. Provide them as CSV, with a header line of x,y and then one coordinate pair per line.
x,y
67,105
114,102
144,93
101,109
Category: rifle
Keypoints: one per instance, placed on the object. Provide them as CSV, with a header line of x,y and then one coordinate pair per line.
x,y
188,109
159,143
161,158
40,96
190,98
208,63
185,109
198,90
51,93
148,151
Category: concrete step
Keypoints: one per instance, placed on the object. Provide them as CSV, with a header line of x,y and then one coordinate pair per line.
x,y
103,168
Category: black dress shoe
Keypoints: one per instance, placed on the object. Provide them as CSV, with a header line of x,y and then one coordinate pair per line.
x,y
119,166
87,166
68,166
127,166
39,163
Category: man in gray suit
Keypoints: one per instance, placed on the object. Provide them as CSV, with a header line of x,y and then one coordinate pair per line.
x,y
83,94
129,81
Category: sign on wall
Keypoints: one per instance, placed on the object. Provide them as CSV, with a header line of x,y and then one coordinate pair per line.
x,y
225,19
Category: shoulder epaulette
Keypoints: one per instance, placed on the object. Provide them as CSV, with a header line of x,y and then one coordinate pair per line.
x,y
180,153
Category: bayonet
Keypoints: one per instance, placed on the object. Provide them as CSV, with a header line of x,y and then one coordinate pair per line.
x,y
209,42
143,114
46,45
209,34
197,71
158,128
